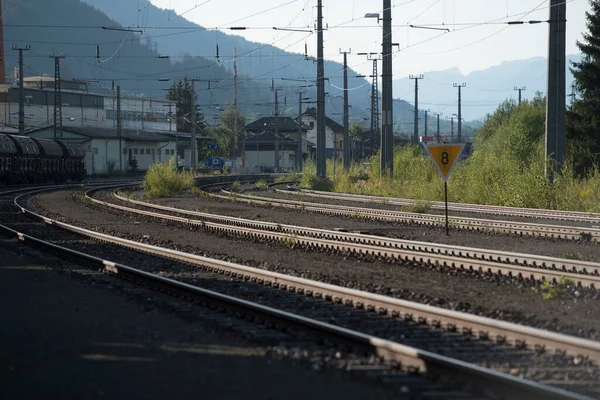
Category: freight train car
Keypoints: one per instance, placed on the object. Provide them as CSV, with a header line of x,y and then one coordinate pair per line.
x,y
28,160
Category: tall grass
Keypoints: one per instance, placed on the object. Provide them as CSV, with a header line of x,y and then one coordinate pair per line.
x,y
163,179
484,178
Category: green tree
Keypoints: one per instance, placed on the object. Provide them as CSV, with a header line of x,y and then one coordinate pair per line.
x,y
583,119
181,92
230,121
356,129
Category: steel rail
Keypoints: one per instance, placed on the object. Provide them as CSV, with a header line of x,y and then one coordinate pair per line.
x,y
510,227
584,267
528,266
580,216
406,357
487,328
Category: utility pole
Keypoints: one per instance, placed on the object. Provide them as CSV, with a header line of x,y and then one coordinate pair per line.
x,y
2,57
120,128
300,144
235,109
375,110
573,94
425,139
276,142
520,89
374,142
21,87
193,122
346,117
452,129
170,114
57,96
459,86
321,148
416,127
438,127
387,111
556,89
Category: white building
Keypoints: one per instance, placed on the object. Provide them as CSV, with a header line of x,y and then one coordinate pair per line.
x,y
105,153
334,133
81,108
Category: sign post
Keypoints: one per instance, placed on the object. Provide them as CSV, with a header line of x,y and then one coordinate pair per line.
x,y
444,157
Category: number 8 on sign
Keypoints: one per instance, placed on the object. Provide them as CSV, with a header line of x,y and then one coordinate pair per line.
x,y
444,156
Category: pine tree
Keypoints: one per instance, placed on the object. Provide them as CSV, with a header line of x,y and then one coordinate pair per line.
x,y
181,93
583,119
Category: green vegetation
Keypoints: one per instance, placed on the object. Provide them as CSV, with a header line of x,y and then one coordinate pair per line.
x,y
310,180
163,179
261,184
582,117
506,168
419,206
551,291
235,186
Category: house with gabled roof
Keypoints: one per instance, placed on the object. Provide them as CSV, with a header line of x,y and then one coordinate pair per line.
x,y
264,150
334,133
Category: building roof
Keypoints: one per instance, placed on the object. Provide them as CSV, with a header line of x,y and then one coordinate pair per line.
x,y
286,124
130,135
334,126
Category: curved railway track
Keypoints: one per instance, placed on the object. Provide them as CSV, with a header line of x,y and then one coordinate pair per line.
x,y
484,225
526,266
459,207
411,314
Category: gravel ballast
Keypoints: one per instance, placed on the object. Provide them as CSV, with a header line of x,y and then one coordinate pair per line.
x,y
573,314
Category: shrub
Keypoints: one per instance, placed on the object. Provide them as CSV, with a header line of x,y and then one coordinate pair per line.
x,y
163,179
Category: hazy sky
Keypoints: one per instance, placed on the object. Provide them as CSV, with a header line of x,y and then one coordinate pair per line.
x,y
468,47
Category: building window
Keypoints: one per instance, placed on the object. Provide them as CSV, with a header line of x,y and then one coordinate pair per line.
x,y
312,124
95,150
172,152
158,152
135,151
147,151
124,151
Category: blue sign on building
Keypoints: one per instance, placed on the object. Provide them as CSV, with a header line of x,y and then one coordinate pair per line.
x,y
213,146
213,162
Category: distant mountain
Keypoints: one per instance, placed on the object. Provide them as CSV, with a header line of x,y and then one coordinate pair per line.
x,y
259,61
485,89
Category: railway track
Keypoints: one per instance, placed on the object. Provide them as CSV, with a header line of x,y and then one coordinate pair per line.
x,y
524,266
458,207
484,225
416,324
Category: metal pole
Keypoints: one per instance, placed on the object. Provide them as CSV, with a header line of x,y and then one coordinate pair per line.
x,y
416,124
446,201
556,90
387,114
299,146
193,121
438,128
346,117
119,128
21,88
2,56
276,139
321,146
425,140
451,129
235,110
460,86
21,95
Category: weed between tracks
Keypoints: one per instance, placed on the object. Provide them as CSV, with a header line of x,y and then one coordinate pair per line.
x,y
551,291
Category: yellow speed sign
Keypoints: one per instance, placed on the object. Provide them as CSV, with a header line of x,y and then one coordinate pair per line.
x,y
444,156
